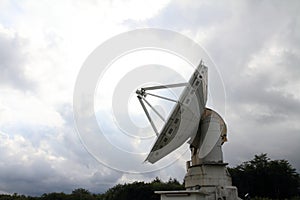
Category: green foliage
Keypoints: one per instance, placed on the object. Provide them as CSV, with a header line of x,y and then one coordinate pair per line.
x,y
15,196
264,198
54,195
263,177
132,191
81,194
141,190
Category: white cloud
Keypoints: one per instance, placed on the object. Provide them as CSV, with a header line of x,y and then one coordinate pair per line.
x,y
44,43
26,108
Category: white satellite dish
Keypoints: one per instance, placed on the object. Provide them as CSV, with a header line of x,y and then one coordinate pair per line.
x,y
184,120
205,131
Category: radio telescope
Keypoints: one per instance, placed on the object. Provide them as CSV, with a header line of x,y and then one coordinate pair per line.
x,y
204,129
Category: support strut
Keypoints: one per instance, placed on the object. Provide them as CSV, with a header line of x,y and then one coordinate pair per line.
x,y
148,115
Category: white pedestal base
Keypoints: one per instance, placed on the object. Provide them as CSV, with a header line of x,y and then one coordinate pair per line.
x,y
204,182
207,175
208,193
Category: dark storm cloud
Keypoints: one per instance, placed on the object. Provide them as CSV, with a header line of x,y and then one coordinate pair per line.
x,y
256,90
59,163
253,26
262,104
21,177
12,61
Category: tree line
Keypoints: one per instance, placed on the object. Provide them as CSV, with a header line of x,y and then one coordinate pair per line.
x,y
261,178
127,191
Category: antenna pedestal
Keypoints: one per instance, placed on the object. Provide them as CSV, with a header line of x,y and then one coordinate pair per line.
x,y
207,177
209,171
211,179
206,181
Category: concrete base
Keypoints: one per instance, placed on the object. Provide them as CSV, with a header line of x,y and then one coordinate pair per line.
x,y
211,193
181,195
207,175
210,181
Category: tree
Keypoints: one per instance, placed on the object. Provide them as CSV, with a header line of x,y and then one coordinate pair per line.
x,y
82,194
54,195
140,190
264,177
81,191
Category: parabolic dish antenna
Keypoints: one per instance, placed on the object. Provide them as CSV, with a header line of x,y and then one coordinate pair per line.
x,y
207,177
184,120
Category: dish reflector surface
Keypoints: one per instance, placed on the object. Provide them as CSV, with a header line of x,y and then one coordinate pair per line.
x,y
184,119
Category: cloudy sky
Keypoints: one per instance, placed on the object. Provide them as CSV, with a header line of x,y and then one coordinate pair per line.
x,y
43,44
